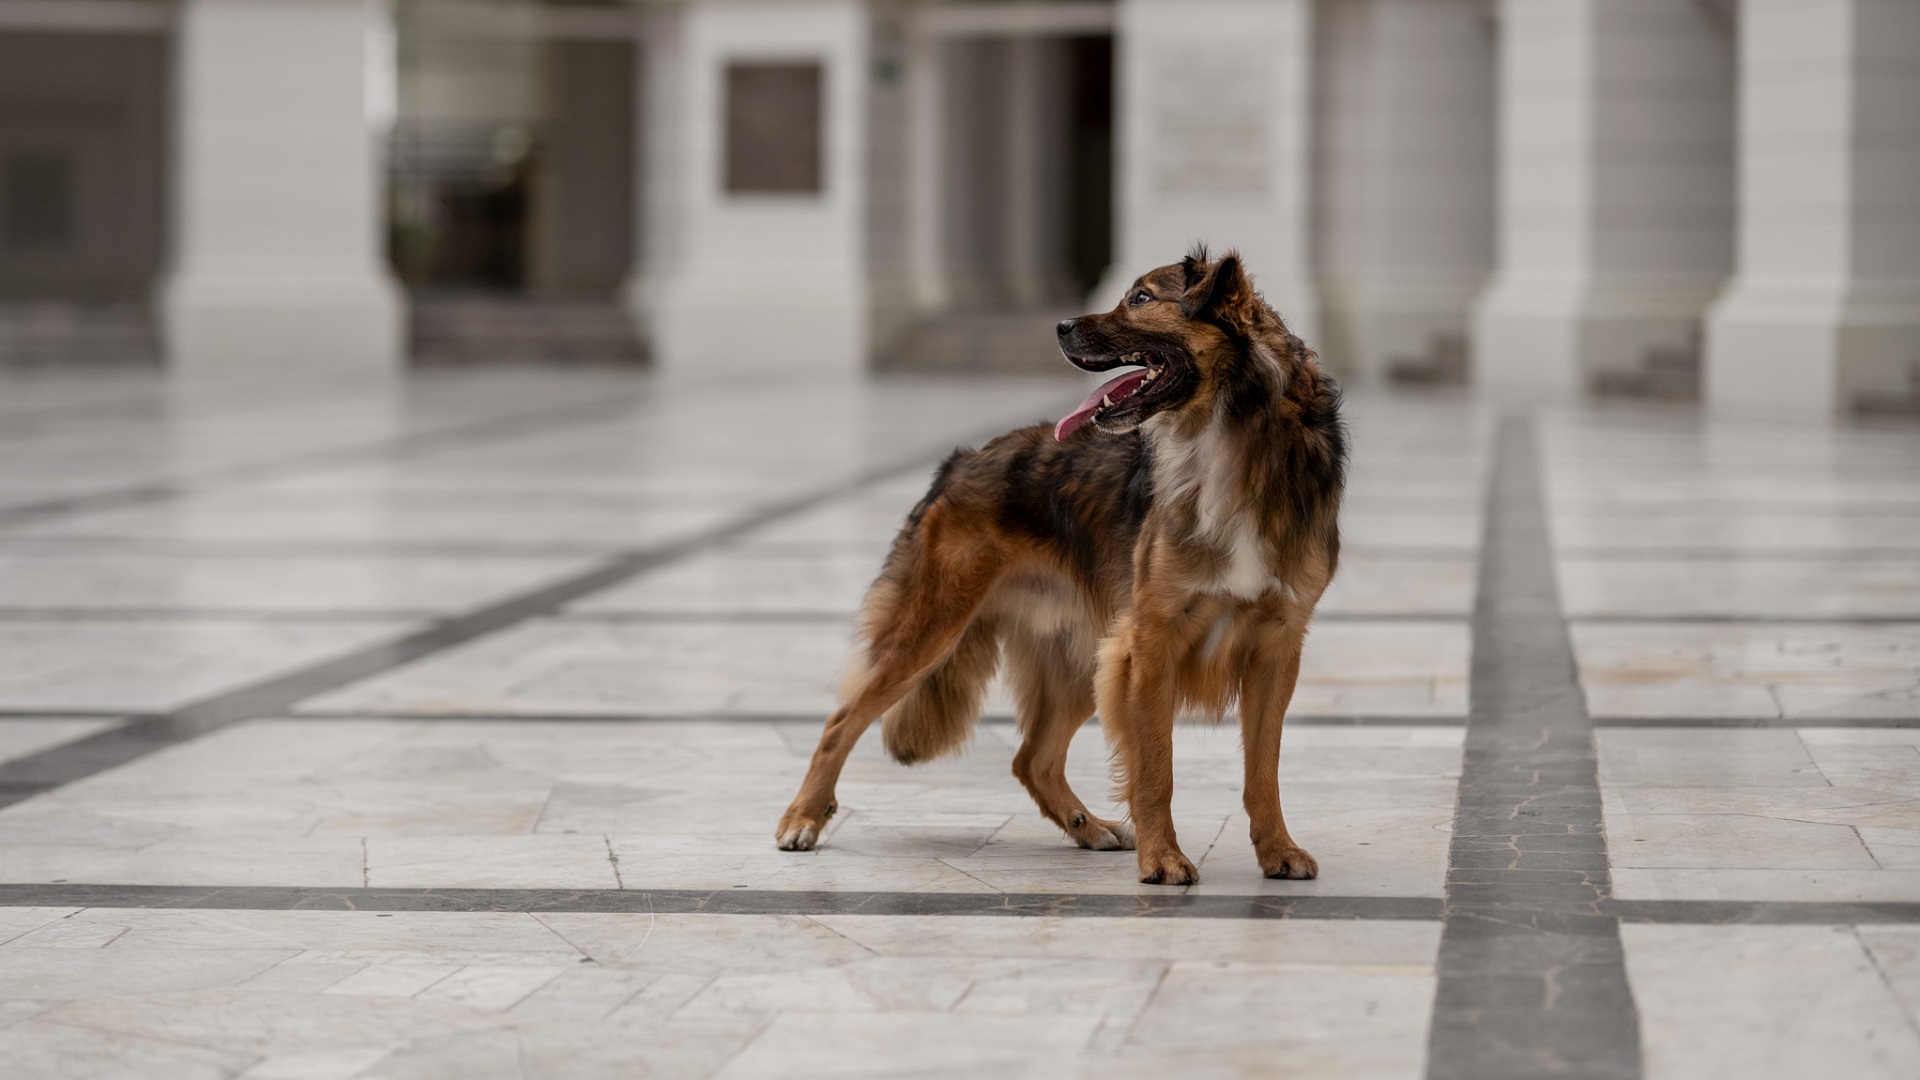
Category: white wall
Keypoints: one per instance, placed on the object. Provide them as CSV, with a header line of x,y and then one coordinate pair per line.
x,y
1213,110
1826,303
278,264
763,283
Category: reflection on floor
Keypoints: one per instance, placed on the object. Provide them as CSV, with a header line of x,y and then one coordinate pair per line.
x,y
592,623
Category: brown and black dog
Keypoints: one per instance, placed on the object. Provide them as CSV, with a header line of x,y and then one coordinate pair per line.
x,y
1160,549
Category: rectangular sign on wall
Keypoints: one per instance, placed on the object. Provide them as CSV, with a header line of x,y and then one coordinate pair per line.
x,y
774,133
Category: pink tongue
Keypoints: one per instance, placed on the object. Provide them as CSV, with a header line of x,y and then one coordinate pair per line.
x,y
1115,388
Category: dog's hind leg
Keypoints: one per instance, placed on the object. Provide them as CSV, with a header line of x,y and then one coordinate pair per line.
x,y
1272,670
1054,693
914,624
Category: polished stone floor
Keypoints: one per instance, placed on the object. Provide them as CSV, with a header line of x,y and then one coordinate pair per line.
x,y
440,730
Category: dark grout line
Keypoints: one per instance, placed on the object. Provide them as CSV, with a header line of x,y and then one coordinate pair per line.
x,y
1756,721
720,902
1764,912
848,616
1728,619
777,718
741,901
1733,554
1531,973
34,774
491,429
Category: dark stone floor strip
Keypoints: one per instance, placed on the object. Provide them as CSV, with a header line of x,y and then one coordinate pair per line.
x,y
25,777
1532,977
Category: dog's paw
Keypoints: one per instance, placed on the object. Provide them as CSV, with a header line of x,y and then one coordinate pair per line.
x,y
798,838
1099,834
1168,868
800,831
1290,862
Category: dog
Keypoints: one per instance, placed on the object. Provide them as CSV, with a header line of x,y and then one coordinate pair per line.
x,y
1159,550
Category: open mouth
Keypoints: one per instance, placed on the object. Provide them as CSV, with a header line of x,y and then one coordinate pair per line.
x,y
1123,393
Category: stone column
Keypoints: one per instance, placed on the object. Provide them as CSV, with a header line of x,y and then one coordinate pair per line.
x,y
1223,159
926,72
1616,188
1824,312
770,276
278,235
1403,169
659,167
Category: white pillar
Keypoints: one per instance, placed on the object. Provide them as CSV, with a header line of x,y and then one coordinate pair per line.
x,y
1213,101
279,254
927,172
768,282
1826,303
659,166
1616,188
1404,176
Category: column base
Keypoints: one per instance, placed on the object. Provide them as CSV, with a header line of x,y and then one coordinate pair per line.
x,y
1811,348
729,328
1371,324
1557,338
244,328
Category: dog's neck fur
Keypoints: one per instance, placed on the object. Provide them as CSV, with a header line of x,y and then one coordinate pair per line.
x,y
1240,486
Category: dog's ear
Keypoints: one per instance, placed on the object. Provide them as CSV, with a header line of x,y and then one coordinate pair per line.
x,y
1219,291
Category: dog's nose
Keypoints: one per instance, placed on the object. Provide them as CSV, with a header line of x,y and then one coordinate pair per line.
x,y
1065,327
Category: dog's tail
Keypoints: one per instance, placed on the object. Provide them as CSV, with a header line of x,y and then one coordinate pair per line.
x,y
937,715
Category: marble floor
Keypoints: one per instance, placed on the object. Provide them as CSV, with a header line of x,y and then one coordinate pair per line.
x,y
440,729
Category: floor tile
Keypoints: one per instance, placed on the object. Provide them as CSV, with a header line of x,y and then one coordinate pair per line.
x,y
1710,814
754,580
1754,533
155,666
22,736
1760,670
589,668
1765,1001
262,583
691,805
1749,588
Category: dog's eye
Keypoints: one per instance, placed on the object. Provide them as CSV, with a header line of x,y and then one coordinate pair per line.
x,y
1140,297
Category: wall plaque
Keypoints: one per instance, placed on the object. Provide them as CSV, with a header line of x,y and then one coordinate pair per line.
x,y
774,136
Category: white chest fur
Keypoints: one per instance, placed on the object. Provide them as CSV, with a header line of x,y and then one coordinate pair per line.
x,y
1208,469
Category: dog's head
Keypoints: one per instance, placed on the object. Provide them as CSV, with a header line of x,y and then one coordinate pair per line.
x,y
1181,331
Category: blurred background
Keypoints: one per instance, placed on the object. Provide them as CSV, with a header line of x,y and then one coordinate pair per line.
x,y
1686,199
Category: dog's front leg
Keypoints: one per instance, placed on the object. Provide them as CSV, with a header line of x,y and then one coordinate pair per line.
x,y
1273,668
1135,696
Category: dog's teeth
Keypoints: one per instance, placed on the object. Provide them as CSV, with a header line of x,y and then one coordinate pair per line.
x,y
1106,400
